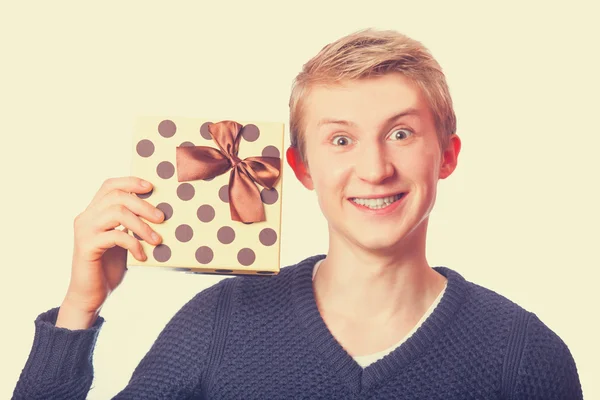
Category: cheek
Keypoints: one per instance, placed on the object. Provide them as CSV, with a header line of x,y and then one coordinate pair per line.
x,y
328,172
329,182
422,166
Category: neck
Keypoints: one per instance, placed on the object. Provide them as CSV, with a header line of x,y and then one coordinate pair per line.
x,y
375,287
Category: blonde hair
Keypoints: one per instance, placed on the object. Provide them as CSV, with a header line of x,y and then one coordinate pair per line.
x,y
370,53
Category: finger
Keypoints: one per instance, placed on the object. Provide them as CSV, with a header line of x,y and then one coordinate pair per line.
x,y
112,238
130,201
119,214
128,184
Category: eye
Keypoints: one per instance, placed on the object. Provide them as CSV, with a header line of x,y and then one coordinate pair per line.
x,y
341,140
400,134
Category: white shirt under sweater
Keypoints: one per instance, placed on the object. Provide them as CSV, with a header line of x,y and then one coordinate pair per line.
x,y
365,361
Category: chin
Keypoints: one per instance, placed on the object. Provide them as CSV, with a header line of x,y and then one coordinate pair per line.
x,y
380,243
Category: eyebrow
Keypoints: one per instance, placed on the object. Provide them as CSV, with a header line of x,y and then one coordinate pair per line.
x,y
407,112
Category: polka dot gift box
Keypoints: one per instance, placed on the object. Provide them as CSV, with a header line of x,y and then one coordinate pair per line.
x,y
219,186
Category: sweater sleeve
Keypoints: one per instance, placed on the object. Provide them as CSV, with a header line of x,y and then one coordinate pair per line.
x,y
547,369
60,361
175,364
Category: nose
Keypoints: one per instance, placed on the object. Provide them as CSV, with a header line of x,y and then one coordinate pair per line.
x,y
373,163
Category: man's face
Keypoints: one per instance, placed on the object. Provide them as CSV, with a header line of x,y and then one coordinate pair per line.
x,y
373,159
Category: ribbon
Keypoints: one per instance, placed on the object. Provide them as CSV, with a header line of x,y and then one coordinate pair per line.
x,y
202,162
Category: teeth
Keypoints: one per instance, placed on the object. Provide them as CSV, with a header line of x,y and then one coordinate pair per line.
x,y
377,203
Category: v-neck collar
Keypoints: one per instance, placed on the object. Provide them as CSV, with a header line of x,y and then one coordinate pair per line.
x,y
348,370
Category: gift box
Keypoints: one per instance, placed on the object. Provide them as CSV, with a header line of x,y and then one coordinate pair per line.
x,y
219,186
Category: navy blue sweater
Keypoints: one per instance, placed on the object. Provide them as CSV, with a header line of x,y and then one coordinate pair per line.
x,y
263,338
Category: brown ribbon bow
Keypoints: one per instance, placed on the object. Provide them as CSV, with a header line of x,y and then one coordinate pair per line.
x,y
201,162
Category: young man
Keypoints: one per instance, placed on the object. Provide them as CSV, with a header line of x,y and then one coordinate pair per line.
x,y
373,130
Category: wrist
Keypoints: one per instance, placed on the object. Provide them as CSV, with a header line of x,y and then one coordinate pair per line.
x,y
73,318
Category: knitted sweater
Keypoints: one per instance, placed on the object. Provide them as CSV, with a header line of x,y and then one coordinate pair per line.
x,y
263,338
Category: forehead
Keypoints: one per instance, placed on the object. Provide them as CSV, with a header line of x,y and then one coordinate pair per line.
x,y
365,101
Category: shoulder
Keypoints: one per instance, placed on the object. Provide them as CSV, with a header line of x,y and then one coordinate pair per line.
x,y
537,364
479,304
546,368
490,306
248,290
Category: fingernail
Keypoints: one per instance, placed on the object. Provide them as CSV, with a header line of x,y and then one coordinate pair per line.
x,y
158,213
146,184
155,237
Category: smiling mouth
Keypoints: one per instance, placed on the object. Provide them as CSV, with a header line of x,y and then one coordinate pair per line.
x,y
376,204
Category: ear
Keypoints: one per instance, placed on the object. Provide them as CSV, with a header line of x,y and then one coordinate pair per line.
x,y
450,157
300,169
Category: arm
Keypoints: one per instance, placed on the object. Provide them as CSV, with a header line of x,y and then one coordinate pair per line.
x,y
60,362
547,369
174,366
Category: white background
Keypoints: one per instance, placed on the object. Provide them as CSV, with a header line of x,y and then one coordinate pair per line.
x,y
519,216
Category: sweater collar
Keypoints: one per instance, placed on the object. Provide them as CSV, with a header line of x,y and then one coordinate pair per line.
x,y
348,370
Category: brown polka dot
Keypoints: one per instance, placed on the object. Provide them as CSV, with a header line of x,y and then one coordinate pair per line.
x,y
270,151
145,148
185,191
269,196
167,128
204,255
166,209
224,193
135,235
226,235
250,132
267,236
247,223
205,213
246,256
162,253
165,170
186,144
184,233
204,132
145,195
208,179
